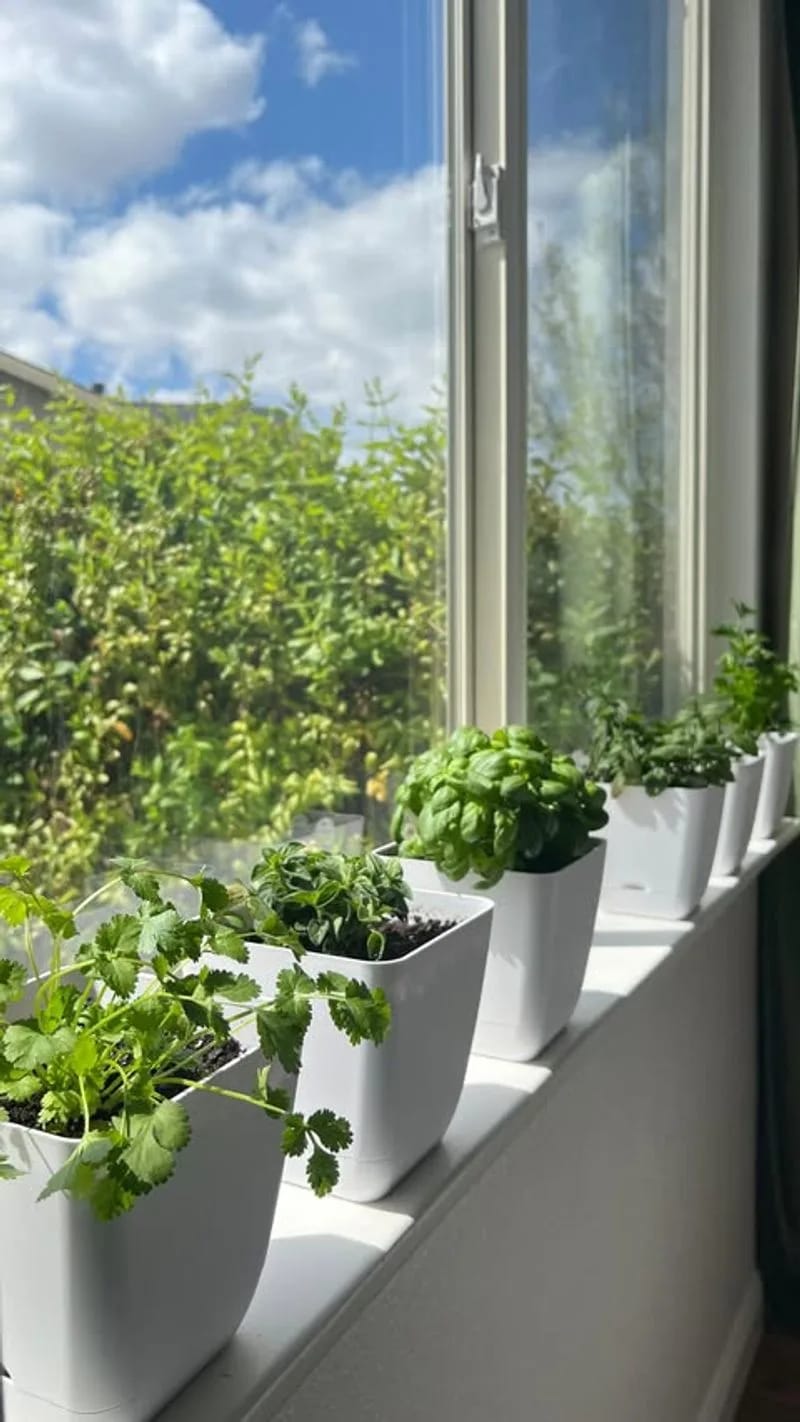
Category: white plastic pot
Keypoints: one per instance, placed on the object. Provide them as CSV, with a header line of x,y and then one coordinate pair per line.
x,y
541,936
399,1097
779,751
738,815
659,850
115,1317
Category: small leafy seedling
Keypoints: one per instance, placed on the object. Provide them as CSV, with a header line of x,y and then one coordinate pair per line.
x,y
484,804
307,898
105,1042
628,749
752,684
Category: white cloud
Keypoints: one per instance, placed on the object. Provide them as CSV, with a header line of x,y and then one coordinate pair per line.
x,y
332,280
329,293
316,55
96,93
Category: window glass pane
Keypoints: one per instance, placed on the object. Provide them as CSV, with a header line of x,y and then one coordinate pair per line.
x,y
603,239
222,594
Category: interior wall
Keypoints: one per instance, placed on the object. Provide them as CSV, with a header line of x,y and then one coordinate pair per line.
x,y
603,1267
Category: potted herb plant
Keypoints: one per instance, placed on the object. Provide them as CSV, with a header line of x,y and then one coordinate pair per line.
x,y
665,781
146,1102
425,951
508,816
753,686
740,799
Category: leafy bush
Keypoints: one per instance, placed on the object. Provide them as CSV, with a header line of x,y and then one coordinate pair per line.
x,y
112,1036
629,749
310,898
752,684
485,804
210,625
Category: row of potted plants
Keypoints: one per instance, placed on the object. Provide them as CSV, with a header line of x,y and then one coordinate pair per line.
x,y
377,973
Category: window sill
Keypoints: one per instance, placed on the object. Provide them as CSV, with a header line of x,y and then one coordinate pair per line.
x,y
328,1258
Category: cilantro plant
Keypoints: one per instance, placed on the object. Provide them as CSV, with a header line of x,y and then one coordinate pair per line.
x,y
752,683
307,898
106,1041
485,804
629,749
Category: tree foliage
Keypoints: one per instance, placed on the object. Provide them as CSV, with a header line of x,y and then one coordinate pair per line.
x,y
210,624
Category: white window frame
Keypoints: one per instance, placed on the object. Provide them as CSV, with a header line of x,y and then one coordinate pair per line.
x,y
719,345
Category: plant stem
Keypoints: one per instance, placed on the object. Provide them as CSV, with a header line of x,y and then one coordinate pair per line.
x,y
220,1091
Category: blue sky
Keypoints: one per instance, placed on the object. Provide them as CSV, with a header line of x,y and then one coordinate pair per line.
x,y
188,183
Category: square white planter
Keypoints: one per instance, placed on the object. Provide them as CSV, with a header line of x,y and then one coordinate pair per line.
x,y
738,815
115,1317
399,1097
779,751
659,850
541,936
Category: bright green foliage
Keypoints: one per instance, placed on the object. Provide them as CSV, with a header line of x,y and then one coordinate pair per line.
x,y
307,898
629,749
600,513
107,1041
210,625
485,804
752,684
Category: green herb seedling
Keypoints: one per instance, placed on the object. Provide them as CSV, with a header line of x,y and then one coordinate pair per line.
x,y
485,804
113,1035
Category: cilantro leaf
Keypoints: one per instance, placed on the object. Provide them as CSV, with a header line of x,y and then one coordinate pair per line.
x,y
155,1137
322,1171
12,981
25,1046
76,1171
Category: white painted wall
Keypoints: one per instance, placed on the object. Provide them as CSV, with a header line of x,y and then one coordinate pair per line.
x,y
601,1269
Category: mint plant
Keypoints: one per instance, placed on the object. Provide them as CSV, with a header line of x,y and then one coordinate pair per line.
x,y
108,1039
485,804
628,749
752,683
307,898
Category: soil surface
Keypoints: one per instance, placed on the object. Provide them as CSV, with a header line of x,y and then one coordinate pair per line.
x,y
404,935
26,1113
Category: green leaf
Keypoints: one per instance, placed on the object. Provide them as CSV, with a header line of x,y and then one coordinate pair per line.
x,y
334,1132
231,987
7,1170
83,1056
214,895
231,944
76,1172
295,1137
363,1014
282,1035
322,1171
15,864
155,1138
25,1046
13,905
144,884
13,978
158,932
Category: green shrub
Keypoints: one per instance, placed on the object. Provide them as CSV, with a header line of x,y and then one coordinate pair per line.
x,y
210,625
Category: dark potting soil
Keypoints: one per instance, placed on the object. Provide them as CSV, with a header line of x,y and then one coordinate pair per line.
x,y
403,935
216,1055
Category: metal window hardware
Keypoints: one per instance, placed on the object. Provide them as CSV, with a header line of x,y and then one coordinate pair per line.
x,y
486,191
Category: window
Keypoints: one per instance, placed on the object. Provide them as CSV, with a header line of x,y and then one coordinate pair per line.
x,y
604,354
223,602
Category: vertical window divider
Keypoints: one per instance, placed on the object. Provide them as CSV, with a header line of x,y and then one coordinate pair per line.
x,y
487,118
692,474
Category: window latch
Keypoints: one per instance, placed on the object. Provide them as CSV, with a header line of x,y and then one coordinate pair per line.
x,y
486,191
